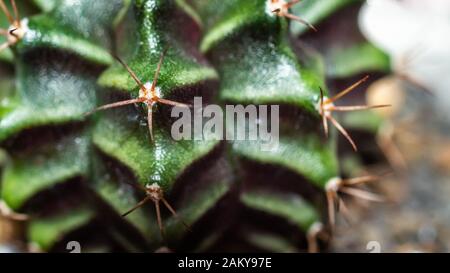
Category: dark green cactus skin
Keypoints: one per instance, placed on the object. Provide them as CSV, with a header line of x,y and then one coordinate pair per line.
x,y
71,172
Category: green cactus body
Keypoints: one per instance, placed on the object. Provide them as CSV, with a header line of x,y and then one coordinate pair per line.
x,y
71,172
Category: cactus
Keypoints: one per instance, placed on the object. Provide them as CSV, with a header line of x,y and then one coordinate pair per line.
x,y
96,177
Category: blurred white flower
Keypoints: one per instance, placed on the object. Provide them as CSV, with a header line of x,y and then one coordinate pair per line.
x,y
417,32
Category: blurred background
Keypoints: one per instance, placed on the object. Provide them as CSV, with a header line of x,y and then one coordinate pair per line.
x,y
405,47
413,135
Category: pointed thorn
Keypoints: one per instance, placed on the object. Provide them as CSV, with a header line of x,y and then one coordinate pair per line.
x,y
312,237
362,194
140,204
16,11
300,20
345,212
6,12
175,214
358,107
158,217
4,46
322,112
343,132
416,83
131,72
348,90
292,3
8,213
391,152
136,186
158,70
360,180
150,121
331,209
114,105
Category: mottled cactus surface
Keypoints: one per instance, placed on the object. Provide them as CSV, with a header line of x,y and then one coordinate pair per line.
x,y
74,175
